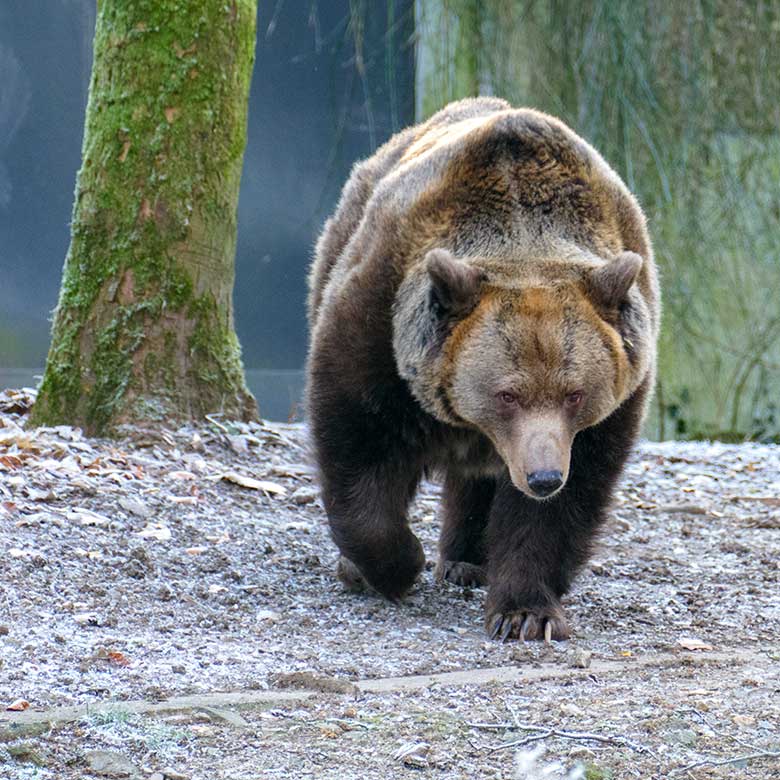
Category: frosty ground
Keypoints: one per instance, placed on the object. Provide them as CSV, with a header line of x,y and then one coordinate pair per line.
x,y
192,562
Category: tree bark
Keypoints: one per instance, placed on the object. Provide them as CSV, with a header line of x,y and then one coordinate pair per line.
x,y
143,329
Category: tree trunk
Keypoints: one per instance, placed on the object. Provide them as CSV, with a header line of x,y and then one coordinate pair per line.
x,y
143,329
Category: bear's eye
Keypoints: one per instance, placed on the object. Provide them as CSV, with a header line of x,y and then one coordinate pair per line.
x,y
573,400
507,397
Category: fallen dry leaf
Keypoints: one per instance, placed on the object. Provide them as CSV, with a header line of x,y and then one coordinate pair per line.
x,y
10,461
18,706
181,475
189,500
93,555
254,484
16,552
413,754
770,500
689,643
120,659
155,531
87,619
87,517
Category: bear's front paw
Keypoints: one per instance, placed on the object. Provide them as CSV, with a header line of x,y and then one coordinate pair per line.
x,y
544,622
468,575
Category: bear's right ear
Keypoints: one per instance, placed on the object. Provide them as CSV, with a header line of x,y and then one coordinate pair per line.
x,y
610,283
455,285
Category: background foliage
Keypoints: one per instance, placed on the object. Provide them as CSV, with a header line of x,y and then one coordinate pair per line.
x,y
683,99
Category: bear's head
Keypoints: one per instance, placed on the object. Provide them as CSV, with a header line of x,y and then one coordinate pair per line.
x,y
529,353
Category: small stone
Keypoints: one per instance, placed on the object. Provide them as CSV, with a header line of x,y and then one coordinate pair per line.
x,y
164,592
580,659
581,751
87,619
238,444
12,731
172,774
157,776
110,764
134,569
134,506
686,737
4,630
305,495
26,754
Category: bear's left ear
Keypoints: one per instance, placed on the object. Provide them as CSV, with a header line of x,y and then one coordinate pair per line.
x,y
609,284
455,285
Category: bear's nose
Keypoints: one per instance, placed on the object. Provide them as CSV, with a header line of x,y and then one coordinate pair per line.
x,y
543,483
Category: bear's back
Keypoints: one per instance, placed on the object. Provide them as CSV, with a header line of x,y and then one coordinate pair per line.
x,y
482,178
365,177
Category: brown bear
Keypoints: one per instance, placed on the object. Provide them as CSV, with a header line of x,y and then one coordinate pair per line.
x,y
484,305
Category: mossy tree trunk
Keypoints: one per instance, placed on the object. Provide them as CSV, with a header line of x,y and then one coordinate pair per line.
x,y
143,329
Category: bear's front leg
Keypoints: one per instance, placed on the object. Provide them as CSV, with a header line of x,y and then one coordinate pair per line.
x,y
534,550
368,478
368,521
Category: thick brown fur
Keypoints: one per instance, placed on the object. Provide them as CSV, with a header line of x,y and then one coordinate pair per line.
x,y
484,303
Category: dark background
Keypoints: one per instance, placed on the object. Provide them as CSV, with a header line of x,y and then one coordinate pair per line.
x,y
313,111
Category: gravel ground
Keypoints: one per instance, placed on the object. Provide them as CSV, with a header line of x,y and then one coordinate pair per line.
x,y
198,560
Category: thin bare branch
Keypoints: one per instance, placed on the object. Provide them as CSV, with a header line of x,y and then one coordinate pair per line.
x,y
727,761
544,732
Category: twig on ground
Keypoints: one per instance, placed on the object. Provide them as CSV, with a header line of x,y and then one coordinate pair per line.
x,y
727,761
687,509
217,424
273,432
758,752
543,732
702,717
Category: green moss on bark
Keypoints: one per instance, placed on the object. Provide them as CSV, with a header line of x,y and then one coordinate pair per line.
x,y
144,323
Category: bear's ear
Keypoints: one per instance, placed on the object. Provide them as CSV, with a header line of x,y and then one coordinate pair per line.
x,y
610,283
455,285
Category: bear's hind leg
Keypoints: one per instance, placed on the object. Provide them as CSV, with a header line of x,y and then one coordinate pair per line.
x,y
465,509
366,489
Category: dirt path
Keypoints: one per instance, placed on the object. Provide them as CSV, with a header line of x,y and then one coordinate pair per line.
x,y
151,568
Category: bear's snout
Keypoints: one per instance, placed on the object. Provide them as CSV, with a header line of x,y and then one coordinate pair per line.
x,y
536,449
544,483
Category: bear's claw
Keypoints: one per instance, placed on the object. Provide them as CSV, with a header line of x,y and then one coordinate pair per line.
x,y
547,624
467,575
